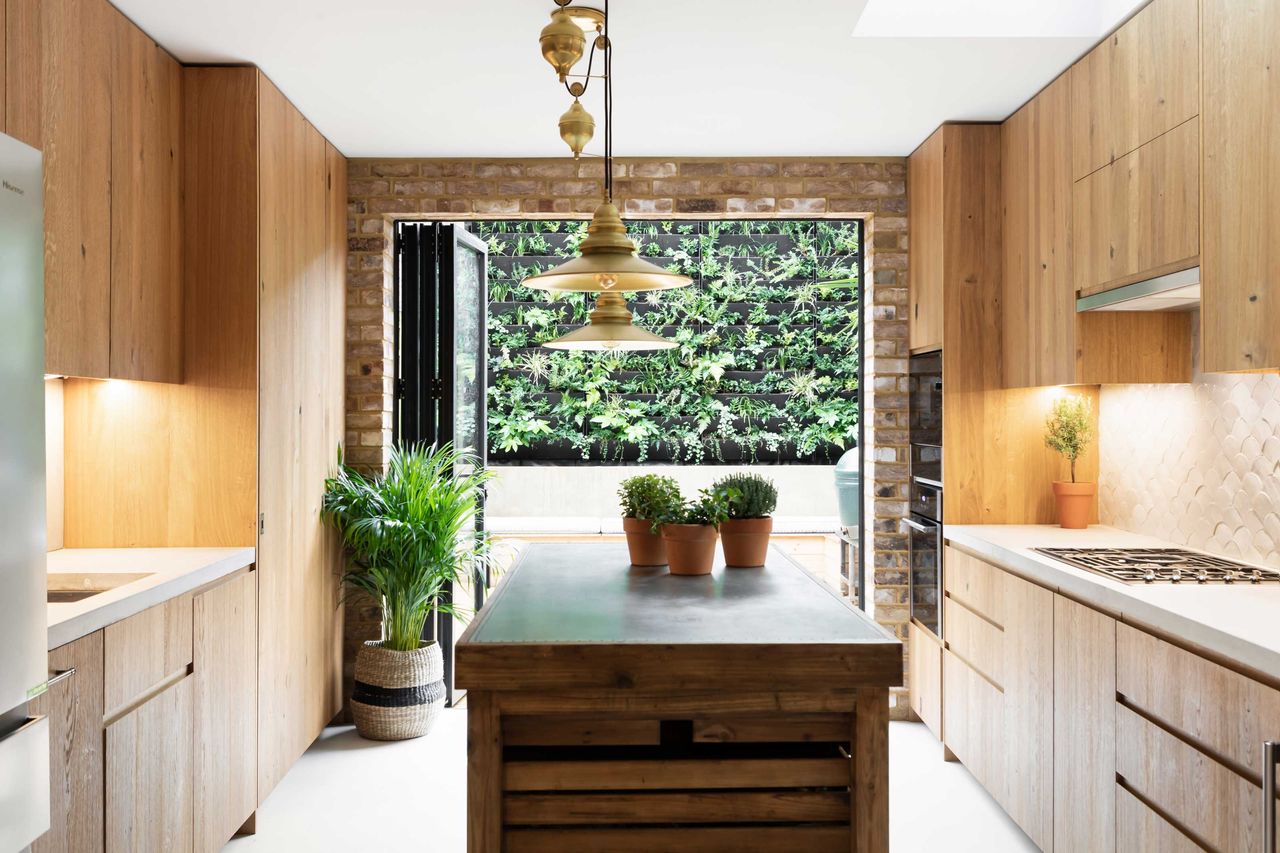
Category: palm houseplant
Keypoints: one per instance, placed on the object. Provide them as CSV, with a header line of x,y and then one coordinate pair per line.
x,y
1068,430
645,499
410,534
690,530
744,535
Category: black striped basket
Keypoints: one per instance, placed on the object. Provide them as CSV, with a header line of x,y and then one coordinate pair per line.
x,y
397,695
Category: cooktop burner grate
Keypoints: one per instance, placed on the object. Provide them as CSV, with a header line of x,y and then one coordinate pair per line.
x,y
1160,565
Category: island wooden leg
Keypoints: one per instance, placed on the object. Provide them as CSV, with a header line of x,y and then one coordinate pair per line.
x,y
869,785
484,773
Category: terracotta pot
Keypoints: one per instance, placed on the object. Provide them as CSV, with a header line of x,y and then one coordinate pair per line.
x,y
1075,503
691,548
646,547
745,541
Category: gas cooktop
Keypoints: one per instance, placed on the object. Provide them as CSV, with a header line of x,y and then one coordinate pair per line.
x,y
1160,565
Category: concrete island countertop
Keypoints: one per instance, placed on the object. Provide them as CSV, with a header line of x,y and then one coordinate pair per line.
x,y
170,572
1237,622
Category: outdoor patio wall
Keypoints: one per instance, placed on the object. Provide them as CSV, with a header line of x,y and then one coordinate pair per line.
x,y
874,188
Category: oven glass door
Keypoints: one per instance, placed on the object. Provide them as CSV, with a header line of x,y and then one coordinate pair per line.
x,y
924,543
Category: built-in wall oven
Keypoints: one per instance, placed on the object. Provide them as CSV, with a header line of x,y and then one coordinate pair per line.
x,y
923,522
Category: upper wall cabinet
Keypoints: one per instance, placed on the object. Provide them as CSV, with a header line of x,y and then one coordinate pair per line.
x,y
20,70
1045,342
925,226
1240,253
111,103
1140,82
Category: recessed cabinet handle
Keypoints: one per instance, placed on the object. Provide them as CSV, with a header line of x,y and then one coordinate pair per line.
x,y
1270,757
59,675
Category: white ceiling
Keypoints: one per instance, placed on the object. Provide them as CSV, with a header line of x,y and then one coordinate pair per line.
x,y
421,78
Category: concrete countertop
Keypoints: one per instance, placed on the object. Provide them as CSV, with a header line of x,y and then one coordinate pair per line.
x,y
170,573
1237,622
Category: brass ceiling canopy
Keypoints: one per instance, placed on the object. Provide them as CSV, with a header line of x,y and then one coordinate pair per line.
x,y
562,42
589,19
610,329
608,263
576,128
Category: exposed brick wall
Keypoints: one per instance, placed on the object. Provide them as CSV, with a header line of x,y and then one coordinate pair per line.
x,y
382,191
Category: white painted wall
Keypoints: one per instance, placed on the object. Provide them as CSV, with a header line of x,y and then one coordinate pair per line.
x,y
584,499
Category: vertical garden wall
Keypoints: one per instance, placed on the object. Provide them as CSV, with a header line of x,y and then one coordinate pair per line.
x,y
766,367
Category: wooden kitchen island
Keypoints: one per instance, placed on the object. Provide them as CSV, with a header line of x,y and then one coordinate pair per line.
x,y
622,709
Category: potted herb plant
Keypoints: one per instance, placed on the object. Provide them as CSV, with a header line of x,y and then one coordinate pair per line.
x,y
744,535
690,531
411,536
1068,430
645,500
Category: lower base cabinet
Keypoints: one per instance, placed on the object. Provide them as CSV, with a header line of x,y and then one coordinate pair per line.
x,y
924,657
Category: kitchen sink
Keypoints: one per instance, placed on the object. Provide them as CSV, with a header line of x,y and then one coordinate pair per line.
x,y
65,588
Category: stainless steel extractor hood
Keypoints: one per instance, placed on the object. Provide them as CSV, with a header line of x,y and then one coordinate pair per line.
x,y
1177,291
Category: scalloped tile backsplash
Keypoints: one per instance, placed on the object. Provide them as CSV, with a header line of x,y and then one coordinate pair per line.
x,y
1198,464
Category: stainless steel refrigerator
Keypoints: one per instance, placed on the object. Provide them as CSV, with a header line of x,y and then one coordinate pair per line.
x,y
24,658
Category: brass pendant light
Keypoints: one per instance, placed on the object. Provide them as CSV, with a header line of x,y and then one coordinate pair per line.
x,y
562,42
607,262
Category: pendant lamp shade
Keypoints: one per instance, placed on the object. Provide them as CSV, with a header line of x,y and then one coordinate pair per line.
x,y
608,263
610,328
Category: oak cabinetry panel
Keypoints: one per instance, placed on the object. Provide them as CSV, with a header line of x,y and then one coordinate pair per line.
x,y
976,584
925,233
77,185
141,652
20,75
973,722
1141,81
149,783
1137,827
226,709
977,641
925,677
1240,255
1084,730
146,223
1028,709
75,711
1139,216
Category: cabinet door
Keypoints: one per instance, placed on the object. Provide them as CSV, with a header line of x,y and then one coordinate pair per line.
x,y
973,722
1139,216
20,78
74,706
1142,81
925,659
77,186
226,709
149,776
924,224
1084,736
1240,265
1028,708
146,220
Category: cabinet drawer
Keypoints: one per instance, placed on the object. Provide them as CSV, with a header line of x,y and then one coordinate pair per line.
x,y
975,584
1140,216
1208,798
978,642
1139,828
1227,714
1142,81
973,722
144,650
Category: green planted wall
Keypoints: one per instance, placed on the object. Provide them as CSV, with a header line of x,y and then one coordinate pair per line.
x,y
766,368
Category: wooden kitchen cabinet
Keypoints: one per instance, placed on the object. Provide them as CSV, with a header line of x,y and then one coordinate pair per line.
x,y
225,650
74,707
1240,255
924,677
146,220
20,75
149,792
1139,217
1084,736
1044,340
925,233
1138,83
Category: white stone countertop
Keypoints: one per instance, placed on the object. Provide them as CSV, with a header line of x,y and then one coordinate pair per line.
x,y
170,573
1238,622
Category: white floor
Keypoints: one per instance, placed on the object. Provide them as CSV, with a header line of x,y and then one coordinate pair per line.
x,y
350,794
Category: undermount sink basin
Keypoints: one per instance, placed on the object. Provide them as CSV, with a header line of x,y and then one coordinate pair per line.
x,y
77,586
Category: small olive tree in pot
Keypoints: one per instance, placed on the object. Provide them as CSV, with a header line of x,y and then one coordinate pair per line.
x,y
744,535
1068,430
411,536
645,500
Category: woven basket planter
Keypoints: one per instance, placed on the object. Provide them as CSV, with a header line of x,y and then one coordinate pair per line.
x,y
397,695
